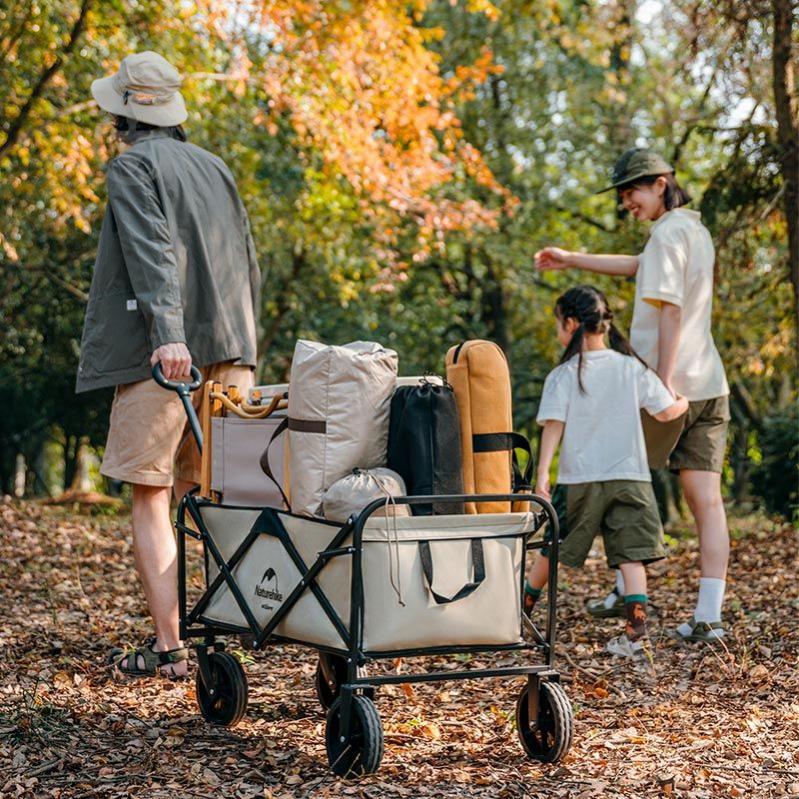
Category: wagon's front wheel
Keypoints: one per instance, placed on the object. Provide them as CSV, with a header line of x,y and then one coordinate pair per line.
x,y
548,738
224,700
361,751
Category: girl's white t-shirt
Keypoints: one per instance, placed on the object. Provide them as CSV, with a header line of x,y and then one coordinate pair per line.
x,y
676,266
603,438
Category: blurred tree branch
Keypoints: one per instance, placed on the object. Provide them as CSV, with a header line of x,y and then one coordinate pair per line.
x,y
47,75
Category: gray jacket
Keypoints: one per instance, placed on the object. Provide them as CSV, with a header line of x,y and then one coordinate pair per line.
x,y
176,263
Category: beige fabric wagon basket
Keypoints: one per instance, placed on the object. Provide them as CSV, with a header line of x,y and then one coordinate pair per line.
x,y
400,607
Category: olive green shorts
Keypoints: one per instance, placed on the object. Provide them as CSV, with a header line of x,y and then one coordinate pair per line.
x,y
697,440
624,511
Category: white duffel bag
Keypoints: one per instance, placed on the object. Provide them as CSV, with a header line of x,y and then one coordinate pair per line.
x,y
428,581
338,413
355,491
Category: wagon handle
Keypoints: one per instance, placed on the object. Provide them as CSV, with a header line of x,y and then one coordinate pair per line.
x,y
184,390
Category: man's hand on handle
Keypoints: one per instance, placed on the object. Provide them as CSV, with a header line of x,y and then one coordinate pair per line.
x,y
175,361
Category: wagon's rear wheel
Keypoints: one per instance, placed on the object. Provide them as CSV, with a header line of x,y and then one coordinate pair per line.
x,y
550,738
362,750
331,674
224,701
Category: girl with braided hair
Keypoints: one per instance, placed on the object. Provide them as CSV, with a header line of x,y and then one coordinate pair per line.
x,y
592,401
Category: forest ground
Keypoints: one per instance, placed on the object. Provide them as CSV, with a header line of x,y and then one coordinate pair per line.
x,y
699,721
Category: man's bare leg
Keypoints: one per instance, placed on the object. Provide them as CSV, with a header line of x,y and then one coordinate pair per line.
x,y
155,552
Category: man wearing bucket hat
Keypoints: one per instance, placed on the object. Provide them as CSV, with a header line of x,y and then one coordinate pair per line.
x,y
671,331
175,281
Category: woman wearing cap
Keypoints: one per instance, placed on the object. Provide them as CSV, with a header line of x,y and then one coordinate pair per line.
x,y
671,332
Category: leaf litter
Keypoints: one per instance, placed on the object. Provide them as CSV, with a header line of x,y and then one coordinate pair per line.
x,y
695,722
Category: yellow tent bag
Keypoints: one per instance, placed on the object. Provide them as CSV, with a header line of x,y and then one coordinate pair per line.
x,y
479,375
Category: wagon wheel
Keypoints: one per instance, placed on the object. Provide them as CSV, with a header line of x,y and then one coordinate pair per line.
x,y
331,674
226,701
550,739
361,752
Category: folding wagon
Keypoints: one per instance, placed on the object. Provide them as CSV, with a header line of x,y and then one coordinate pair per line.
x,y
380,586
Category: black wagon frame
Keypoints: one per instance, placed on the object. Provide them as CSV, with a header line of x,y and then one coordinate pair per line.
x,y
352,682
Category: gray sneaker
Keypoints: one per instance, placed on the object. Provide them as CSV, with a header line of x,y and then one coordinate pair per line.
x,y
707,631
611,606
623,647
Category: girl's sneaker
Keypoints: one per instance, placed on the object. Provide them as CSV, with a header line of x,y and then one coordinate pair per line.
x,y
625,647
707,631
611,606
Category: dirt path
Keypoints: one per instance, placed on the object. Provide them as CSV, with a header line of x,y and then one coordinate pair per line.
x,y
701,722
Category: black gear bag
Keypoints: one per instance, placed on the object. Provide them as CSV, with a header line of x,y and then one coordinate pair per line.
x,y
424,444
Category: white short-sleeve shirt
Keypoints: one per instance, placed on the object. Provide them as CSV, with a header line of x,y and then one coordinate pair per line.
x,y
603,438
676,266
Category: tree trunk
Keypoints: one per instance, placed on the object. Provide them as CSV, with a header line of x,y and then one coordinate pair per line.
x,y
786,104
19,476
493,310
84,459
7,470
620,133
70,458
739,457
38,467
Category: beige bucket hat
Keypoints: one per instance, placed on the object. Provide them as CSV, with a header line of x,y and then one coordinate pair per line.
x,y
145,88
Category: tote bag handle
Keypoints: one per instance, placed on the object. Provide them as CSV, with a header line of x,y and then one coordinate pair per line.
x,y
478,568
267,469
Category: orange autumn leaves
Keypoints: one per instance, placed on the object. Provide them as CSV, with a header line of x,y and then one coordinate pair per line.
x,y
358,80
363,89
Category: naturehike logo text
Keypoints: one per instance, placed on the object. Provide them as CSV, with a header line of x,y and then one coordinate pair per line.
x,y
271,591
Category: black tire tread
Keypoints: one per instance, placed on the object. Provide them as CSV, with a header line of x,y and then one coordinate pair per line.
x,y
233,671
367,761
553,694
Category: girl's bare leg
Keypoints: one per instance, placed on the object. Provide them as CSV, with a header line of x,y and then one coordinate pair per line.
x,y
538,573
634,578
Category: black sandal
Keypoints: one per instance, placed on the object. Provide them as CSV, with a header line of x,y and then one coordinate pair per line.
x,y
126,660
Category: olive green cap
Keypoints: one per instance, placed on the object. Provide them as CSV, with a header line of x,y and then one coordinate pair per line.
x,y
637,163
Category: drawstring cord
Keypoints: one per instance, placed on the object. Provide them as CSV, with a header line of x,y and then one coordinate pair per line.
x,y
391,502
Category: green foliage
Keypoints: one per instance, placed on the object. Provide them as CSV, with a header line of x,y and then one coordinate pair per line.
x,y
576,83
776,477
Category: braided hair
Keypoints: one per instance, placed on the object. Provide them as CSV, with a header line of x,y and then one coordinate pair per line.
x,y
589,307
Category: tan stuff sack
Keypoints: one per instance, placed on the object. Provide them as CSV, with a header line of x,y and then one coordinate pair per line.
x,y
350,495
478,372
338,413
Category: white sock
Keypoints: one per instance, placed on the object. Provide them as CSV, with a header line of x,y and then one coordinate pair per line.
x,y
708,603
710,599
610,600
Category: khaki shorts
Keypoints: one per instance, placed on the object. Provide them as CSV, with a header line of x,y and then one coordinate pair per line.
x,y
624,511
697,440
149,439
